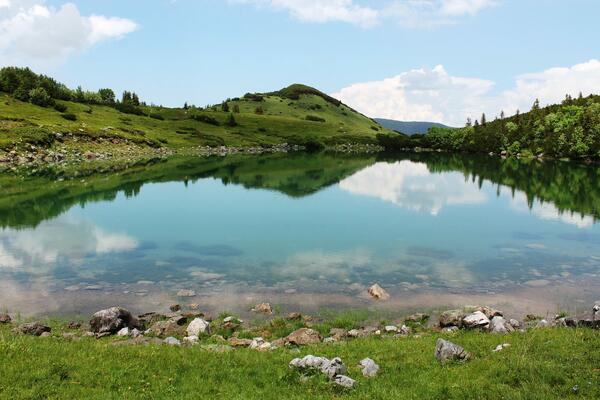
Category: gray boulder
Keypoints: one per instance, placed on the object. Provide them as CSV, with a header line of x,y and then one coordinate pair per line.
x,y
344,381
476,320
171,341
514,323
112,320
447,351
303,336
333,368
499,325
369,368
198,327
34,329
451,318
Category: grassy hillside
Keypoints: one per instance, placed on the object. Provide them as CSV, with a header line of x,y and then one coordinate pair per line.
x,y
60,117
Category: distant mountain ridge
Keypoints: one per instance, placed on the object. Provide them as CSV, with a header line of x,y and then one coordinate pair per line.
x,y
409,127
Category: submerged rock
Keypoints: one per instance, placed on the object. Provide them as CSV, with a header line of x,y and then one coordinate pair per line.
x,y
34,329
447,351
263,308
303,336
198,327
418,318
378,293
186,293
112,320
369,368
295,316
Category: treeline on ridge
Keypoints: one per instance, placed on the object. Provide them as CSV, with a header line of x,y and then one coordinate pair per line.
x,y
567,130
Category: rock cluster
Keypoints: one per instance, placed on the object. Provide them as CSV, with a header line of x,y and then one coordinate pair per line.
x,y
334,369
34,329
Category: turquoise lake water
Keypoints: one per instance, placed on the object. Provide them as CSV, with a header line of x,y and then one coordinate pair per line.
x,y
305,231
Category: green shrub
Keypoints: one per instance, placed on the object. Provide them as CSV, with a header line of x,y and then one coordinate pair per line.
x,y
231,121
314,118
61,108
40,97
69,116
157,116
205,119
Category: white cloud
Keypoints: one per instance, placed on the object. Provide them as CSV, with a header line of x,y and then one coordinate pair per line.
x,y
431,13
322,11
32,33
412,186
411,13
435,95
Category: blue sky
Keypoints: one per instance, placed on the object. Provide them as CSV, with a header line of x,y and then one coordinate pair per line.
x,y
388,58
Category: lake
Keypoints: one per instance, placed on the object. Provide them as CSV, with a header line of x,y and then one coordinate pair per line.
x,y
305,232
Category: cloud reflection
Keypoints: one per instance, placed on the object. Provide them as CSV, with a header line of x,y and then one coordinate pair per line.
x,y
63,238
412,186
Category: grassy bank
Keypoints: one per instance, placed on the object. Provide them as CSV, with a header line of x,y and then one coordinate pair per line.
x,y
540,364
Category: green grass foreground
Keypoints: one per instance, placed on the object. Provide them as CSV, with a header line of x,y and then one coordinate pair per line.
x,y
540,364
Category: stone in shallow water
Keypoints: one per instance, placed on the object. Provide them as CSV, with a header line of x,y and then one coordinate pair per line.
x,y
263,308
186,293
378,293
447,351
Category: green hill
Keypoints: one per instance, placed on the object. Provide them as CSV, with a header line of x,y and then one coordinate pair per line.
x,y
37,110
